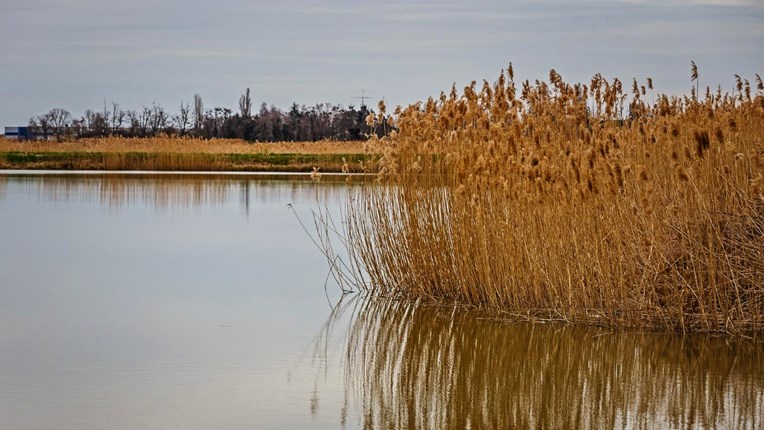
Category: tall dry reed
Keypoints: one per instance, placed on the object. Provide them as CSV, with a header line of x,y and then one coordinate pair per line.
x,y
577,202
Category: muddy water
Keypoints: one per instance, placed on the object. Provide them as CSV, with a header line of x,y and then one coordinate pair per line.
x,y
197,301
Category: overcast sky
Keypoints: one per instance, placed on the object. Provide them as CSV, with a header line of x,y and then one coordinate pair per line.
x,y
76,54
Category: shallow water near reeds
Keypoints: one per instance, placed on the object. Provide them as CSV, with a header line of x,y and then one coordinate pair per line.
x,y
198,301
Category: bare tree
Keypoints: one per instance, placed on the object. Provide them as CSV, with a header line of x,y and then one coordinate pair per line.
x,y
183,119
96,123
158,118
106,115
78,126
56,121
144,120
266,123
245,105
132,122
59,117
199,113
117,117
39,126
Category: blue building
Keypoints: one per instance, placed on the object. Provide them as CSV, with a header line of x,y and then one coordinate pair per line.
x,y
17,133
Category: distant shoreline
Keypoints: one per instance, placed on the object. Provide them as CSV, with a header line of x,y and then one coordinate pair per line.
x,y
184,155
158,161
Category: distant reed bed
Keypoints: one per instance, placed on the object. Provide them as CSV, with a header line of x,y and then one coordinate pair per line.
x,y
182,145
183,154
570,202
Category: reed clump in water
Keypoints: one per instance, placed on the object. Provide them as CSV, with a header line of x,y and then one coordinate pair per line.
x,y
541,202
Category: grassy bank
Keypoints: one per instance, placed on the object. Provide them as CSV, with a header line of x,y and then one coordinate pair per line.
x,y
544,204
168,161
175,154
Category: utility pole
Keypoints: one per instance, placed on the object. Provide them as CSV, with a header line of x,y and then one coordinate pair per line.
x,y
362,97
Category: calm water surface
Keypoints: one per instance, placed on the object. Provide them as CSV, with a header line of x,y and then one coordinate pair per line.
x,y
198,302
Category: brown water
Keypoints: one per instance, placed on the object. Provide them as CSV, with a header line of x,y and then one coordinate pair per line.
x,y
197,301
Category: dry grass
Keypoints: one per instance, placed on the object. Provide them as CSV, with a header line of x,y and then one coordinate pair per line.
x,y
183,154
519,200
182,145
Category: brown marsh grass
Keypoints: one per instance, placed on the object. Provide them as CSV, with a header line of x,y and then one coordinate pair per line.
x,y
548,201
183,154
182,145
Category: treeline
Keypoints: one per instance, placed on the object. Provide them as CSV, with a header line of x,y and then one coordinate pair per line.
x,y
269,124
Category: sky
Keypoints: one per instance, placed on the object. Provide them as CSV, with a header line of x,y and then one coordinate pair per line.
x,y
80,54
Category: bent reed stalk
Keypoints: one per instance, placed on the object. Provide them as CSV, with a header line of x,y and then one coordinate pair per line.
x,y
545,203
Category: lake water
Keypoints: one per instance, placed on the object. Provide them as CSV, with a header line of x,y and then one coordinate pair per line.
x,y
176,301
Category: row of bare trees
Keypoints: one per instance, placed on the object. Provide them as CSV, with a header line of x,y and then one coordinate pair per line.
x,y
299,123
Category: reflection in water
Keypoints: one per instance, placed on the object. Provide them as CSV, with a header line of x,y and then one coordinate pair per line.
x,y
161,313
165,191
404,366
423,367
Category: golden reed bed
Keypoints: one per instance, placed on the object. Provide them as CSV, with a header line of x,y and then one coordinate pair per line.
x,y
183,154
182,145
569,202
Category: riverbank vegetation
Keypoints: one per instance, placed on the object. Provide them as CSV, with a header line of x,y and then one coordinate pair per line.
x,y
184,154
570,202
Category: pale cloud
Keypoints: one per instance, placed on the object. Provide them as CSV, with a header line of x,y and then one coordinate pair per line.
x,y
136,52
675,3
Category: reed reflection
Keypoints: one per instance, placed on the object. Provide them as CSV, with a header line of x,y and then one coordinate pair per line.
x,y
173,191
421,367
